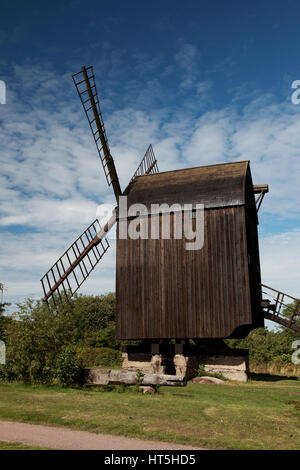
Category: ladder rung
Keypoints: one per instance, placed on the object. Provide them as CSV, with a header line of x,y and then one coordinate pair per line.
x,y
84,81
79,83
82,92
78,73
99,147
91,107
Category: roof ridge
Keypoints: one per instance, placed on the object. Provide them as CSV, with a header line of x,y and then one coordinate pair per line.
x,y
195,167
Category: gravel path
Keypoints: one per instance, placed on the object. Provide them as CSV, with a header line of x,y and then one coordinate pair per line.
x,y
67,439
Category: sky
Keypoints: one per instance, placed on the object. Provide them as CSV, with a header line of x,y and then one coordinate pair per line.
x,y
204,81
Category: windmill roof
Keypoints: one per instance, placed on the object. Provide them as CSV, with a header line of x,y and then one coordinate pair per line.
x,y
215,186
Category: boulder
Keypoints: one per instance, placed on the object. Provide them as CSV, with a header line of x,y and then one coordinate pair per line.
x,y
207,380
148,390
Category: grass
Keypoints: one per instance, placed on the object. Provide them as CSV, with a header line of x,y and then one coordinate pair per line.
x,y
19,446
262,414
276,368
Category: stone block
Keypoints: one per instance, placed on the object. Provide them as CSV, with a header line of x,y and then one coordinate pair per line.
x,y
146,363
231,367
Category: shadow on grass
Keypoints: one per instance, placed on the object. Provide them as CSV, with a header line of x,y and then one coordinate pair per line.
x,y
270,377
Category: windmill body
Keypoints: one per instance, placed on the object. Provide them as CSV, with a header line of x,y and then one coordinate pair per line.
x,y
166,291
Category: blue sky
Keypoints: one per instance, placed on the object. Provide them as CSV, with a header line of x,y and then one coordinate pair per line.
x,y
203,81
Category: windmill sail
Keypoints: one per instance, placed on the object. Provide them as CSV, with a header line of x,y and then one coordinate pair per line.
x,y
68,273
148,164
86,87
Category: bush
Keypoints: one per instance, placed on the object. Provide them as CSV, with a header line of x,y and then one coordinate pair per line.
x,y
106,337
97,357
7,374
69,367
35,336
40,373
267,346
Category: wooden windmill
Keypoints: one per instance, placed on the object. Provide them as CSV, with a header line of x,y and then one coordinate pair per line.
x,y
164,291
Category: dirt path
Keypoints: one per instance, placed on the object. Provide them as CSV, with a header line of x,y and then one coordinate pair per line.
x,y
67,439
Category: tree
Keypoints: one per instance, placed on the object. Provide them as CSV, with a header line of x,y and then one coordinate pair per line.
x,y
267,346
37,335
292,309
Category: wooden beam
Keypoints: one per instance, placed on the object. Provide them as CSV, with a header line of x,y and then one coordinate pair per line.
x,y
260,188
97,376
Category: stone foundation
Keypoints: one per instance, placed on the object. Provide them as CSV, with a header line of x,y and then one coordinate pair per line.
x,y
146,363
184,360
231,367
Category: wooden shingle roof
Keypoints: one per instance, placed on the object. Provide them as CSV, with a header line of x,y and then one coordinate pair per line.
x,y
220,185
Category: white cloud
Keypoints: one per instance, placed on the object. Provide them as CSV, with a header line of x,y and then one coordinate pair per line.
x,y
186,55
265,133
26,257
187,60
208,143
49,214
280,261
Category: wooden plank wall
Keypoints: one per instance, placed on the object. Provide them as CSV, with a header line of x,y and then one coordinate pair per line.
x,y
253,251
165,291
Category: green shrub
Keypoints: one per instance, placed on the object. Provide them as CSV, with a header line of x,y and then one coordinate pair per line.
x,y
106,337
99,357
35,335
267,346
7,373
69,367
39,373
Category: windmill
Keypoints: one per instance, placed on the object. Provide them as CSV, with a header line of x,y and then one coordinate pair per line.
x,y
69,272
163,291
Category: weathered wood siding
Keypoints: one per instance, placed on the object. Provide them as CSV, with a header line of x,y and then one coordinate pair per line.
x,y
214,186
253,252
165,291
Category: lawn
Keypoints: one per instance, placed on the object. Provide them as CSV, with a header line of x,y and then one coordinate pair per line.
x,y
19,446
258,415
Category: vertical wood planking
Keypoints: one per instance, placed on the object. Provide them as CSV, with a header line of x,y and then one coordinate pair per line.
x,y
165,291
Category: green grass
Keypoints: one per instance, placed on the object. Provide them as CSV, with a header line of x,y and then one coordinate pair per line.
x,y
19,446
257,415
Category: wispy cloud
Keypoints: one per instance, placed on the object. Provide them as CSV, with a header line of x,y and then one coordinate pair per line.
x,y
280,261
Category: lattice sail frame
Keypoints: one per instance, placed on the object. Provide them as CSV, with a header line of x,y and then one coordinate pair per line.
x,y
63,278
85,84
148,165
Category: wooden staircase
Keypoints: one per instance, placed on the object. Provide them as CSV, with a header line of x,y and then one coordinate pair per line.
x,y
277,303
